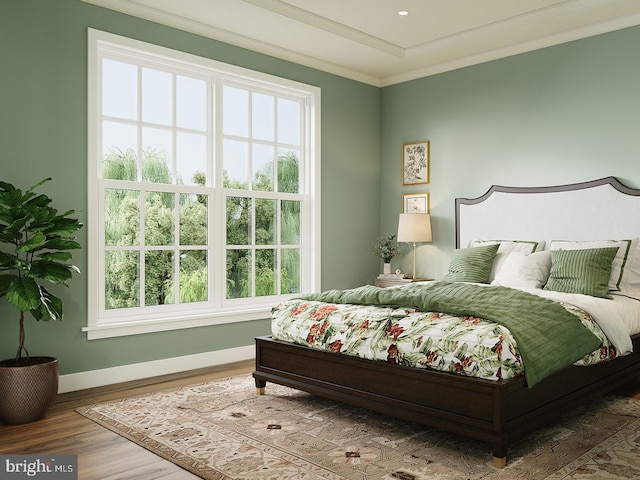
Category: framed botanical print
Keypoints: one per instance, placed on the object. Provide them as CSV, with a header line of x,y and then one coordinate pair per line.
x,y
415,163
415,203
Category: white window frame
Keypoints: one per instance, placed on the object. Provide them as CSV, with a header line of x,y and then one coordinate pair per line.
x,y
218,309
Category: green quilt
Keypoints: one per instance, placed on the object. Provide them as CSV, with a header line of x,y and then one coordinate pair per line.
x,y
549,337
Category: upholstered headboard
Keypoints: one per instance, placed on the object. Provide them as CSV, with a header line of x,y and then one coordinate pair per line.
x,y
597,210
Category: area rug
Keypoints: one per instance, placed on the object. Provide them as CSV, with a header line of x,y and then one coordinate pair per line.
x,y
223,430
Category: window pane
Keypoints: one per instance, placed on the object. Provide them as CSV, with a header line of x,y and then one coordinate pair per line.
x,y
191,103
193,219
265,272
235,112
119,139
191,153
122,279
119,90
290,223
118,165
157,97
290,272
156,155
288,121
265,222
238,273
159,278
288,171
236,164
122,217
263,156
262,116
238,221
159,218
193,276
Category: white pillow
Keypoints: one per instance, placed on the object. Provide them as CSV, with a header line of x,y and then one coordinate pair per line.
x,y
505,248
630,285
619,264
524,271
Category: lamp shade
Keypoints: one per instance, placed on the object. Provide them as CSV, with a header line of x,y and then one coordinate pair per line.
x,y
414,227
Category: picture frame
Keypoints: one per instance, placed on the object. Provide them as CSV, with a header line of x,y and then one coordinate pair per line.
x,y
416,203
415,163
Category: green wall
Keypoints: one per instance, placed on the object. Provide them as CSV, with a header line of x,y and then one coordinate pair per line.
x,y
43,132
563,114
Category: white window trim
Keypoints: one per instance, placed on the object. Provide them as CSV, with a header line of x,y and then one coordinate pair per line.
x,y
231,310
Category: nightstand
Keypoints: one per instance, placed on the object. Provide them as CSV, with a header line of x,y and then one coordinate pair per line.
x,y
391,281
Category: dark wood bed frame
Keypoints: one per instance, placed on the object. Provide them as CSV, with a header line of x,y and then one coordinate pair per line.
x,y
496,412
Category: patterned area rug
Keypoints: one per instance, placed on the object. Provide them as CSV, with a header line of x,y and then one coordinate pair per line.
x,y
222,429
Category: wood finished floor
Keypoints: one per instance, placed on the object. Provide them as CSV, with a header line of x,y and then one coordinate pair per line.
x,y
104,455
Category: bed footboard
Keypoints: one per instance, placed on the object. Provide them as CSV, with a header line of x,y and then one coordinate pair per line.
x,y
489,411
471,407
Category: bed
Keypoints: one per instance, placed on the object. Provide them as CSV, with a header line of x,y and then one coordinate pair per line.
x,y
493,405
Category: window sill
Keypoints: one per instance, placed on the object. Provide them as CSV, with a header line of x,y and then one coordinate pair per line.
x,y
121,329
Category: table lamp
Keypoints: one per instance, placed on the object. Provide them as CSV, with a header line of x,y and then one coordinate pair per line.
x,y
414,227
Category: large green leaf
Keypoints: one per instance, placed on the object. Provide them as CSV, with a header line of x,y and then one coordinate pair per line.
x,y
40,215
5,217
6,187
17,224
23,293
63,226
59,256
61,244
50,307
11,198
52,271
40,201
32,243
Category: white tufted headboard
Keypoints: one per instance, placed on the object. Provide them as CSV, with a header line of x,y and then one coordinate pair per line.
x,y
602,209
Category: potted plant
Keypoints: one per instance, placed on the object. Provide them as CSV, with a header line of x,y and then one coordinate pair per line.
x,y
35,248
387,248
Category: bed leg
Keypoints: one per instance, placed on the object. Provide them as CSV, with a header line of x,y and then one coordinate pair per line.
x,y
260,386
499,462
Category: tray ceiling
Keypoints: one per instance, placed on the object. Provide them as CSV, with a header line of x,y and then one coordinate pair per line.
x,y
368,41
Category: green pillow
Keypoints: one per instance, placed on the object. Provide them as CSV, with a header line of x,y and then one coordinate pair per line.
x,y
472,264
581,271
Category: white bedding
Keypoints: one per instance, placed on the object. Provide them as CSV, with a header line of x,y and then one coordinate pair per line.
x,y
618,317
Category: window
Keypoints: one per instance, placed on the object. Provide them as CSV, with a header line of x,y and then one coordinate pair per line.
x,y
203,189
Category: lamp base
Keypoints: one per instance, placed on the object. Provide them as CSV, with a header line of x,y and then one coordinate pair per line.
x,y
414,260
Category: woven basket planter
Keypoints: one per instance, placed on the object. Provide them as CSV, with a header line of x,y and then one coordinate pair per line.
x,y
27,390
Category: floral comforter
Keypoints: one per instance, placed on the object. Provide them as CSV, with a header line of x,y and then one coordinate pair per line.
x,y
464,345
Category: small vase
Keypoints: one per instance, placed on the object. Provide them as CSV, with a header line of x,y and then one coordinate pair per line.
x,y
387,269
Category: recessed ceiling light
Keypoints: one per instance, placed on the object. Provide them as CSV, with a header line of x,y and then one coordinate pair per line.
x,y
403,13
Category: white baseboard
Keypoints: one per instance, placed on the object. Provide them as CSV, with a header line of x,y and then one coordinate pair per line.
x,y
136,371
